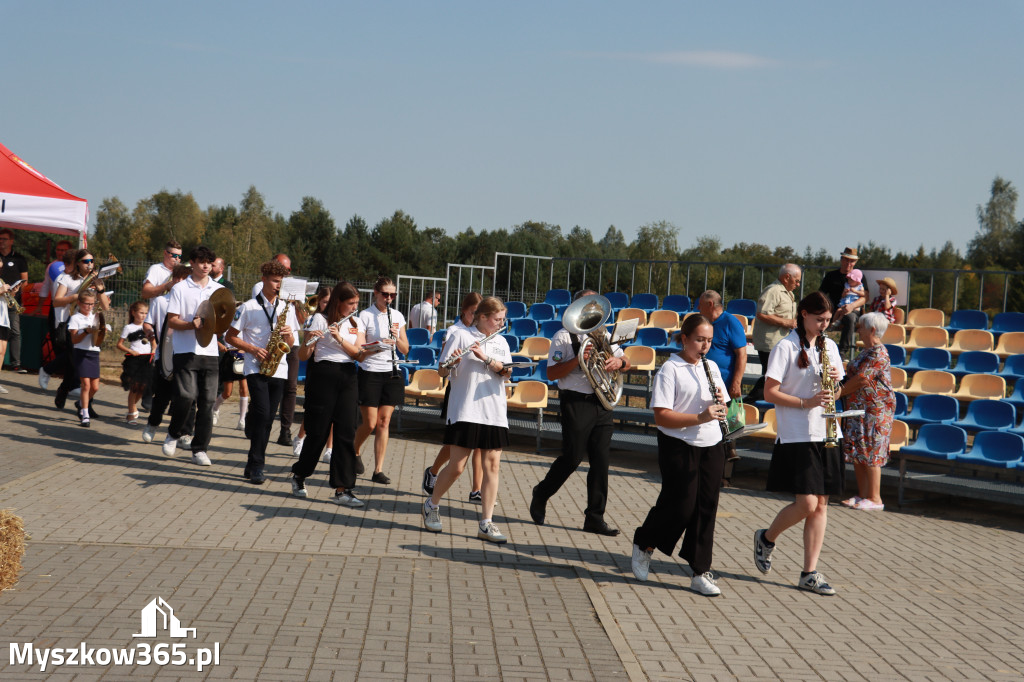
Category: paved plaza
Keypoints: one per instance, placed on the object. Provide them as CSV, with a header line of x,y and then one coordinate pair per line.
x,y
282,588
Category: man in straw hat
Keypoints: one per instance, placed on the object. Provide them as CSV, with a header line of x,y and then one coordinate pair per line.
x,y
844,317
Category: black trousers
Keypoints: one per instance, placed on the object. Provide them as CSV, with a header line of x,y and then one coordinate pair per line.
x,y
264,399
331,400
14,342
848,331
691,478
586,433
163,392
195,382
290,389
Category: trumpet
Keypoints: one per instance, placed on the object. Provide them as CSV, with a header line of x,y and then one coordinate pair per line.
x,y
457,355
333,325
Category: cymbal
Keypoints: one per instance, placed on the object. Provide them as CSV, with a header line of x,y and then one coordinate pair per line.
x,y
216,313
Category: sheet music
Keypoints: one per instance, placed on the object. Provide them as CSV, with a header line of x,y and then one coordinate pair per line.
x,y
312,288
108,270
293,289
624,330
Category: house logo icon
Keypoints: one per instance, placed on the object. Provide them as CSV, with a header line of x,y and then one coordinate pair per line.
x,y
159,614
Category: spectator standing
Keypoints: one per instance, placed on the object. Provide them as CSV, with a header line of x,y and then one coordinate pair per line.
x,y
833,285
776,312
218,276
424,314
15,267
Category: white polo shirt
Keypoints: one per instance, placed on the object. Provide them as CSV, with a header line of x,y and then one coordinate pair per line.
x,y
73,285
254,321
329,350
561,350
375,322
186,296
157,274
79,321
478,394
683,387
798,425
423,315
155,317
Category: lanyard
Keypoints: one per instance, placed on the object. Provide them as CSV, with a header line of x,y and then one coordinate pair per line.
x,y
263,307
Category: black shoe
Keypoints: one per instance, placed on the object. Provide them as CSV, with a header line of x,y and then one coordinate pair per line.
x,y
379,477
146,407
360,469
257,477
60,399
246,474
537,509
21,370
92,412
600,528
285,439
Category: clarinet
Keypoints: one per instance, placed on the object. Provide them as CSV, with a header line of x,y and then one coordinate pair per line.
x,y
394,355
714,393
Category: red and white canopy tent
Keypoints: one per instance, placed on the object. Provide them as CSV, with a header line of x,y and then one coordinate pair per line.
x,y
31,201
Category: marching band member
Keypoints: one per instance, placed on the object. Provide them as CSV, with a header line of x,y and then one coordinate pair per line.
x,y
332,394
68,286
323,297
465,321
158,281
691,457
801,464
587,429
5,325
135,369
195,365
255,322
477,412
86,352
163,389
380,381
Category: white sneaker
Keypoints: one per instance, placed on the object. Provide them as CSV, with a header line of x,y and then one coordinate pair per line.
x,y
44,379
3,390
641,563
297,445
298,486
347,499
216,417
491,533
432,518
815,582
241,424
326,457
170,445
201,459
148,433
185,440
705,584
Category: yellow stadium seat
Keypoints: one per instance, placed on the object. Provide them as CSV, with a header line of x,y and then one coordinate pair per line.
x,y
536,348
641,358
895,334
932,381
900,435
425,383
927,337
1010,343
926,317
771,431
972,339
529,395
980,387
899,378
665,319
632,314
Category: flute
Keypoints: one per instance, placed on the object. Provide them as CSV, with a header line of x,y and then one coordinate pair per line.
x,y
333,325
714,392
457,355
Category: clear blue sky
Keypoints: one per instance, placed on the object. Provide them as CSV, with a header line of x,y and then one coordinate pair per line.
x,y
775,122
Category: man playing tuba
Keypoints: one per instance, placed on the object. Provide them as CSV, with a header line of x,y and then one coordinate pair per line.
x,y
586,425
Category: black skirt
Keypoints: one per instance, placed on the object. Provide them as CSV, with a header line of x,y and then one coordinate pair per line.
x,y
806,469
136,372
471,435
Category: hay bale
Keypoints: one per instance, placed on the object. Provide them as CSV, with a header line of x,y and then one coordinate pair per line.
x,y
12,548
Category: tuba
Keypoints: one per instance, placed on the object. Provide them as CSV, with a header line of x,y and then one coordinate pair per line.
x,y
586,317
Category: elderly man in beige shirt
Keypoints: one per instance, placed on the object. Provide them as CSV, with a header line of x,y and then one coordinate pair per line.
x,y
776,312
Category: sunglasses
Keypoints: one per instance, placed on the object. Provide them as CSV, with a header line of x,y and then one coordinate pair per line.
x,y
86,260
173,255
386,294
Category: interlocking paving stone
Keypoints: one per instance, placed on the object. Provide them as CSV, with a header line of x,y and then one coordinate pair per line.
x,y
302,589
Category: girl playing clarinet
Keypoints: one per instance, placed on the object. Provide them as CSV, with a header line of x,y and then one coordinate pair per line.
x,y
688,405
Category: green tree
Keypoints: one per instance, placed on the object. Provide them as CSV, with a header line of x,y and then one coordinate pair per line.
x,y
167,216
314,242
117,233
994,243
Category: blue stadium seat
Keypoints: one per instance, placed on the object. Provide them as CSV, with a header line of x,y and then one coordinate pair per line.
x,y
540,373
742,306
437,341
932,409
515,310
559,298
975,362
937,441
520,373
901,405
654,337
418,336
994,449
1013,368
302,371
645,302
897,355
423,357
967,319
928,358
988,415
618,300
1007,322
540,312
513,342
549,328
523,328
1017,397
677,302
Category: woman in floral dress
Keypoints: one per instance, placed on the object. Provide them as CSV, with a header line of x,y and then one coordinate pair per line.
x,y
868,387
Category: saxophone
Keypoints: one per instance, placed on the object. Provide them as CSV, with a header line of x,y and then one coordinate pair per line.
x,y
828,384
276,347
12,302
